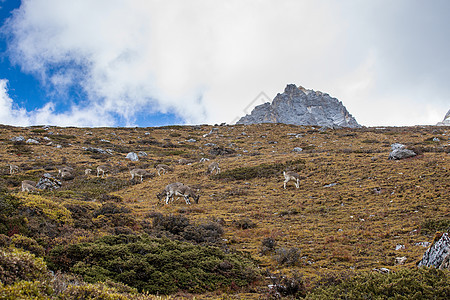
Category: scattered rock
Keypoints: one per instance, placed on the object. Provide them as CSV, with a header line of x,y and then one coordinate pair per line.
x,y
382,270
397,146
297,149
210,145
400,260
438,255
435,139
48,182
142,154
18,139
191,140
221,151
96,150
32,141
132,156
399,247
330,185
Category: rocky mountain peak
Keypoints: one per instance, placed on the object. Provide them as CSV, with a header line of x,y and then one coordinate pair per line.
x,y
300,106
446,121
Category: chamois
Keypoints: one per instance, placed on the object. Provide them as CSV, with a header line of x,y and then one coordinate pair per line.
x,y
138,172
289,175
28,186
102,169
178,189
162,167
214,166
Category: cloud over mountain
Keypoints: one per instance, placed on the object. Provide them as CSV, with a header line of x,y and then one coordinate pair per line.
x,y
205,61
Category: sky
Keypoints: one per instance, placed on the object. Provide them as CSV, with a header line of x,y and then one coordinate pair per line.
x,y
151,63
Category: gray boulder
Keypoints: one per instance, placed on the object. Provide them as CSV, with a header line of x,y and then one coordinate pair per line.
x,y
32,141
297,149
438,255
397,146
96,150
48,182
401,154
132,156
299,106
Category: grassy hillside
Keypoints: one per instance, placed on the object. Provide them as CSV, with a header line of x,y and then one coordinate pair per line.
x,y
355,210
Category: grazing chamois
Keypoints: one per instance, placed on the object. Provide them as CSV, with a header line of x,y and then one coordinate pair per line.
x,y
139,172
178,189
214,166
102,169
185,161
28,186
64,169
13,169
162,167
289,175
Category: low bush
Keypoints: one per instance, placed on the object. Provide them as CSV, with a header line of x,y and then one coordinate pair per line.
x,y
431,226
178,227
287,257
244,223
17,265
417,283
268,245
155,265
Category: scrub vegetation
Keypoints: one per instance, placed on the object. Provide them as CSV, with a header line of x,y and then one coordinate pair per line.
x,y
354,214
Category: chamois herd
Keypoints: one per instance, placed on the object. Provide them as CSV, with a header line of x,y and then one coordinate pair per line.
x,y
171,190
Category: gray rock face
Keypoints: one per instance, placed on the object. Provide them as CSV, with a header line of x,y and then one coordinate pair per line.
x,y
299,106
48,182
438,255
446,121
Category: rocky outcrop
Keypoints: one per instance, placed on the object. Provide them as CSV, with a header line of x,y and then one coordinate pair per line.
x,y
438,255
446,121
399,151
299,106
48,182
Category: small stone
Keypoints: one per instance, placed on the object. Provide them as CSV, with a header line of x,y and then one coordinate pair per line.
x,y
132,156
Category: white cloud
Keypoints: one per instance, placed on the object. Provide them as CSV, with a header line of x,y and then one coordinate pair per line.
x,y
206,60
12,115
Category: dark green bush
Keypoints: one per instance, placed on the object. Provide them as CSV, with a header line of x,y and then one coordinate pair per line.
x,y
417,283
268,245
431,226
155,265
287,257
178,227
11,221
260,171
244,223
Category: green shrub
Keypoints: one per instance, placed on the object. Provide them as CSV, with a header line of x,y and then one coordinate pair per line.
x,y
26,290
16,265
178,227
417,283
260,171
155,265
431,226
11,221
287,257
28,244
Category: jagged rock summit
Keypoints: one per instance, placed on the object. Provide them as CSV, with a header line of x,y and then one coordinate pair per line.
x,y
299,106
446,121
